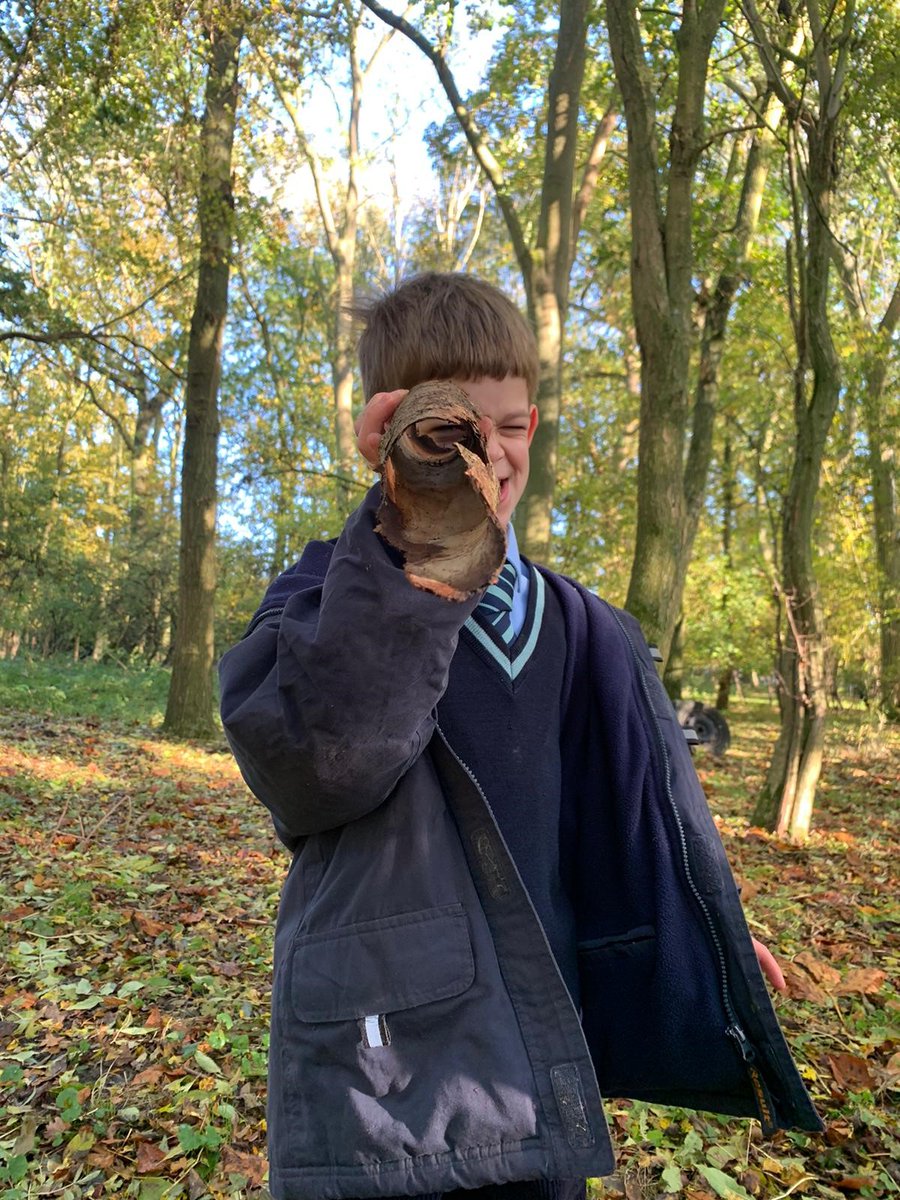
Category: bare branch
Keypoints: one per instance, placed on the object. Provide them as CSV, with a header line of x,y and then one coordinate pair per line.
x,y
467,123
312,159
767,55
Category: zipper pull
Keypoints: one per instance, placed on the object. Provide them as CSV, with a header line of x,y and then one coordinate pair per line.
x,y
748,1054
764,1101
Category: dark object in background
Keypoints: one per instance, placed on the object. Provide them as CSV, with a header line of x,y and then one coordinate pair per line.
x,y
709,725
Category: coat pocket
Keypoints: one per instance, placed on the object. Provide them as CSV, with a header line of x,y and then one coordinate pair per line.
x,y
381,966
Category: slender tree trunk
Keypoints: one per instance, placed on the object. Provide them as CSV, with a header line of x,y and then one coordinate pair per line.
x,y
715,325
547,280
788,795
662,295
340,231
673,677
102,638
189,712
883,470
881,438
344,255
729,670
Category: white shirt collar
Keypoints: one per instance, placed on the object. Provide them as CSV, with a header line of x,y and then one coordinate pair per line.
x,y
512,548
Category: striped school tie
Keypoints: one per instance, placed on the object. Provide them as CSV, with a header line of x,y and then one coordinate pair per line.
x,y
497,601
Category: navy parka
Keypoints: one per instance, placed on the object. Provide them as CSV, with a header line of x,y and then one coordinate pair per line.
x,y
422,1036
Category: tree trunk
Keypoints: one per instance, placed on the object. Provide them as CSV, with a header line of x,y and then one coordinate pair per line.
x,y
547,279
662,295
715,324
189,711
673,677
343,251
883,473
883,469
728,482
786,801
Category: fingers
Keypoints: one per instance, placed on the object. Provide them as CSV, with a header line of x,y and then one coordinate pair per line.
x,y
371,422
769,966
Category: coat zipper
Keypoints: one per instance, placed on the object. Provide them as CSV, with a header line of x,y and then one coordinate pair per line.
x,y
260,617
487,804
733,1029
471,775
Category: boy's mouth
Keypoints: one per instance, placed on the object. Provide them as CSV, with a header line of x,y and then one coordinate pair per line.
x,y
504,489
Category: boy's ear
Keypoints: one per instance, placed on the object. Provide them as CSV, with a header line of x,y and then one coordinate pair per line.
x,y
532,422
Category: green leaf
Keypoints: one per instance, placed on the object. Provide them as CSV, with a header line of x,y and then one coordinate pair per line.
x,y
16,1169
129,988
189,1138
156,1188
83,1140
671,1178
208,1064
723,1185
69,1106
719,1156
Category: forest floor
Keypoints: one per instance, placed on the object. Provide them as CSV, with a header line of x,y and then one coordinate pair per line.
x,y
138,890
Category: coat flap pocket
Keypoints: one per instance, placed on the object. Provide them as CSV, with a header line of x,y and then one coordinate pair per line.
x,y
382,966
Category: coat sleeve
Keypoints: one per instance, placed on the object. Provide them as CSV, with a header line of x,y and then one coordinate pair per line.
x,y
328,703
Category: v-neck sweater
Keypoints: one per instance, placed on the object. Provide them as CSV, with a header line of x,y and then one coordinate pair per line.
x,y
506,728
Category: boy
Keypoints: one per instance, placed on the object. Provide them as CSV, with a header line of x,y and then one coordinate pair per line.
x,y
507,894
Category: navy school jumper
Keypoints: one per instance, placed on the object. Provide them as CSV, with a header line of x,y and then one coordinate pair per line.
x,y
422,1036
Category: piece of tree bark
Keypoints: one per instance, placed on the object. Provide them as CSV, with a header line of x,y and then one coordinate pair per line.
x,y
439,506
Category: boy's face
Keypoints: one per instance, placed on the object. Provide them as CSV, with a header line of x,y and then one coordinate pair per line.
x,y
508,422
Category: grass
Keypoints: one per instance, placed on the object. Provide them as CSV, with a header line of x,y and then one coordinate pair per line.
x,y
97,691
138,889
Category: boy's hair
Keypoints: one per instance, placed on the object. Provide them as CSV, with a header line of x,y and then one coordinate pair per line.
x,y
440,326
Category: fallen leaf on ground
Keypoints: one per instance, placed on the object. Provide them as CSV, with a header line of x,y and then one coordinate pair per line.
x,y
252,1166
800,986
850,1072
149,1158
865,981
822,972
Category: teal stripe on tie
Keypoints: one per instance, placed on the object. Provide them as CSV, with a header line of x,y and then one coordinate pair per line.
x,y
497,601
514,666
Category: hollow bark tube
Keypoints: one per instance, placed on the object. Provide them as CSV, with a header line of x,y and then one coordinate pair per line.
x,y
440,494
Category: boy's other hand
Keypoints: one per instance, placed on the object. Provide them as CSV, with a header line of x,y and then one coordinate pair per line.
x,y
769,966
371,422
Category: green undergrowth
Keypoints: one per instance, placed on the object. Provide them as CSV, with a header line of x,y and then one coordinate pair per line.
x,y
60,687
138,890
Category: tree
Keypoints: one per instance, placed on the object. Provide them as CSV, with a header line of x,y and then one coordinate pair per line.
x,y
676,433
189,710
341,226
787,798
882,454
545,261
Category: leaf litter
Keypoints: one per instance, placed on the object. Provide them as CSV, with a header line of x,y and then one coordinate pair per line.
x,y
138,890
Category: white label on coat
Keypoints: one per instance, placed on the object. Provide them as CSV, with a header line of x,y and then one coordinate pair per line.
x,y
373,1032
